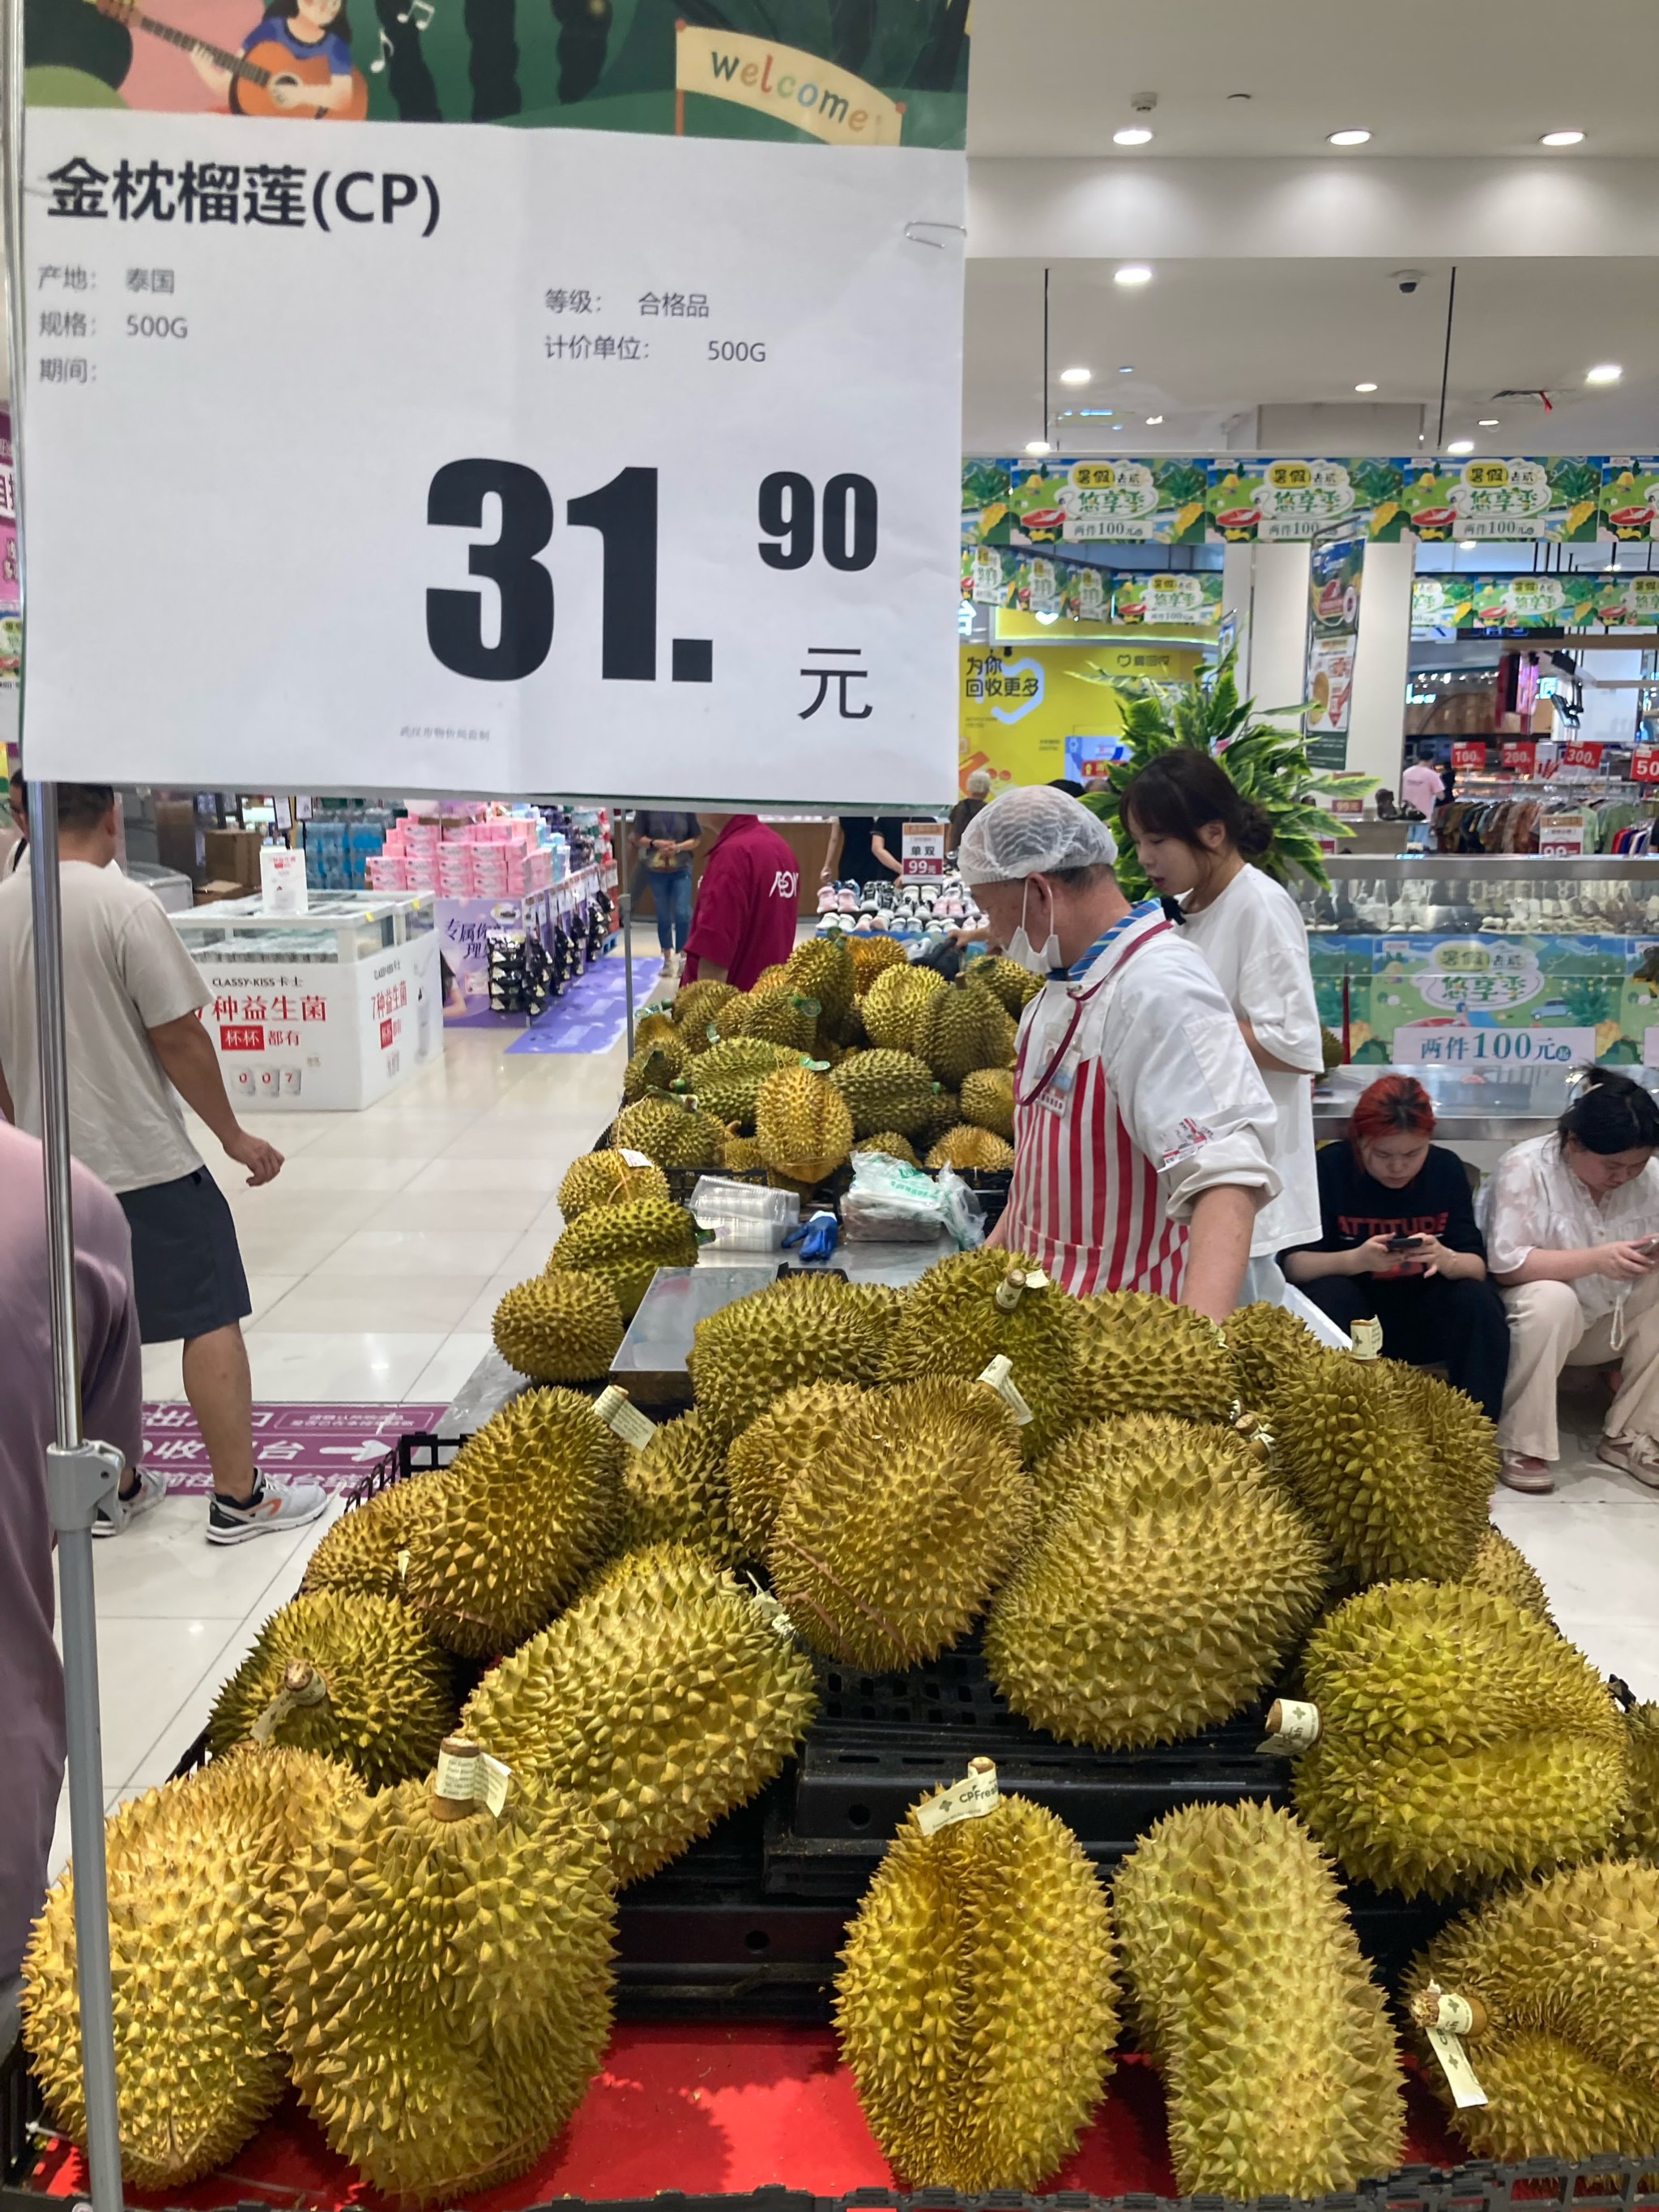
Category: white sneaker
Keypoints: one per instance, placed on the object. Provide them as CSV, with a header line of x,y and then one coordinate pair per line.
x,y
1636,1454
121,1512
277,1503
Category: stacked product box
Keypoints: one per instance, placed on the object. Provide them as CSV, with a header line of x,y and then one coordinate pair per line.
x,y
494,856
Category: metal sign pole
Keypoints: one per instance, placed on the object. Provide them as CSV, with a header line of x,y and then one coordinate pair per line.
x,y
624,909
79,1475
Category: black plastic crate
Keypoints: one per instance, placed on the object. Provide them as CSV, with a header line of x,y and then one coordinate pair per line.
x,y
19,2108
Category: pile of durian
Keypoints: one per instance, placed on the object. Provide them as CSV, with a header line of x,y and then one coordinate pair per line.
x,y
513,1686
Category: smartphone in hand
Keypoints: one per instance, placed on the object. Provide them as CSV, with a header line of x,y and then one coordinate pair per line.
x,y
1405,1244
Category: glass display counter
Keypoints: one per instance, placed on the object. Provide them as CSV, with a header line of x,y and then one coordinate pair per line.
x,y
323,1010
1501,962
1471,1103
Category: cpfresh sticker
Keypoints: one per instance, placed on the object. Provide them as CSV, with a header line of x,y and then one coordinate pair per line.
x,y
627,1422
971,1799
999,1376
1292,1726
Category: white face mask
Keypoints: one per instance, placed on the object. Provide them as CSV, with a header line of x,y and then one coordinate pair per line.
x,y
1021,951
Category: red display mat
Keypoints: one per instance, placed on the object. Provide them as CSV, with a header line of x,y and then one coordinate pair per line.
x,y
704,2108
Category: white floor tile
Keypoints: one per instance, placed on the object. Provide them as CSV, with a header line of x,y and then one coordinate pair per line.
x,y
396,1302
333,1171
146,1669
451,1365
299,1367
392,1255
521,1175
163,1565
434,1210
482,1312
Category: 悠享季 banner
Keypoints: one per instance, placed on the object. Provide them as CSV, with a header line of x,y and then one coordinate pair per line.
x,y
462,459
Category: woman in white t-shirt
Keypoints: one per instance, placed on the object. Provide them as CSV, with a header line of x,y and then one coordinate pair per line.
x,y
1196,836
1572,1222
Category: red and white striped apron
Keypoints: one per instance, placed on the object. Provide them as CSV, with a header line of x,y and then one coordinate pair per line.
x,y
1083,1202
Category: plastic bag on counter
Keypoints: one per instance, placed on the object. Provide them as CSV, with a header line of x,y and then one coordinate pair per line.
x,y
891,1202
743,1217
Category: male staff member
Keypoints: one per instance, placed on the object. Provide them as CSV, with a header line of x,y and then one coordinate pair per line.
x,y
1139,1118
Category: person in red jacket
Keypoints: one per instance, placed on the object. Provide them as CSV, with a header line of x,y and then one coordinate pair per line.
x,y
746,905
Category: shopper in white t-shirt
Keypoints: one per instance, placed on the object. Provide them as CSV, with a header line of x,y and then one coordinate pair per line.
x,y
1196,835
1571,1222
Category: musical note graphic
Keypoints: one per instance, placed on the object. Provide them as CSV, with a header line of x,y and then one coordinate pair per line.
x,y
422,11
386,49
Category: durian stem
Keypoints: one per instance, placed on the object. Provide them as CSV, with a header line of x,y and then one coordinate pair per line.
x,y
877,1619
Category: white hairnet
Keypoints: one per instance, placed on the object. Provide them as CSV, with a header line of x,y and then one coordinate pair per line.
x,y
1034,831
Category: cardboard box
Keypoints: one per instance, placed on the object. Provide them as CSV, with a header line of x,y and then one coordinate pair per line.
x,y
210,894
232,856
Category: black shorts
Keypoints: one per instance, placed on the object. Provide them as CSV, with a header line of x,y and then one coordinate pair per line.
x,y
186,1269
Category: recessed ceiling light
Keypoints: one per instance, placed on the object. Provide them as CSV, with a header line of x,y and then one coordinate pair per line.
x,y
1126,369
1039,446
1489,422
1152,421
1365,387
1461,446
1137,134
1349,138
1562,139
1132,272
1606,371
1075,375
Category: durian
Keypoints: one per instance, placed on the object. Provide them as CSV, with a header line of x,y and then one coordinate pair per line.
x,y
529,1503
1247,1987
565,1326
1143,1354
889,1141
871,954
763,1461
966,1147
885,1548
448,1984
696,1005
728,1078
200,1886
1638,1838
675,1491
653,1067
355,1678
1566,2047
664,1696
1013,986
802,1125
987,1099
974,1305
742,1156
779,1015
962,1028
893,1004
1362,1443
671,1131
1502,1566
804,1329
607,1179
822,969
885,1091
977,2002
1266,1341
656,1025
361,1551
1168,1581
627,1243
1460,1740
944,1114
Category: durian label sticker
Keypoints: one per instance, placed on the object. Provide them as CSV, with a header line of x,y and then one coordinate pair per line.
x,y
637,1159
1366,1337
971,1799
1292,1727
1446,2018
629,1424
474,1775
402,1564
999,1376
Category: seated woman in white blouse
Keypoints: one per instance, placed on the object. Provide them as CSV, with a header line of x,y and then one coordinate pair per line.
x,y
1572,1222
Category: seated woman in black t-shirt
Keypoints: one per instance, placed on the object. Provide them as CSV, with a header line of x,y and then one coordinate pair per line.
x,y
1401,1245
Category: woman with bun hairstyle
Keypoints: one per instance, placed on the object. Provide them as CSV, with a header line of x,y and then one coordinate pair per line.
x,y
1196,836
1399,1244
1572,1233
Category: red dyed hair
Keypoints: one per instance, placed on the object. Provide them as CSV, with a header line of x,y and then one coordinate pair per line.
x,y
1393,1106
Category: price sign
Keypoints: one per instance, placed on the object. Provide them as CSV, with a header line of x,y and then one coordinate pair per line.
x,y
1645,763
922,853
1561,836
492,461
1521,755
1471,755
1582,753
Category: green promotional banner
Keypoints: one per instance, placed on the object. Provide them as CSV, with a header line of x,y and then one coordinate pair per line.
x,y
1558,499
1335,572
1629,499
1077,591
1273,502
881,73
1151,502
1569,600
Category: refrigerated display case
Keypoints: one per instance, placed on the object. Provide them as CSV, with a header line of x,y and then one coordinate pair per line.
x,y
1467,961
326,1010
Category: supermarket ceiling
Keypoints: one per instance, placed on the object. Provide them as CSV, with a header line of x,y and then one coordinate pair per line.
x,y
1277,259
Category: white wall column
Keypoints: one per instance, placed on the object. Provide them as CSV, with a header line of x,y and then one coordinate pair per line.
x,y
1237,587
1278,626
1377,719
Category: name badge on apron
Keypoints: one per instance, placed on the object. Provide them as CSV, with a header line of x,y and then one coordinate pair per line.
x,y
1056,1094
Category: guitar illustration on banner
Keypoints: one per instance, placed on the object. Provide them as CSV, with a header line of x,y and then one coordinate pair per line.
x,y
274,75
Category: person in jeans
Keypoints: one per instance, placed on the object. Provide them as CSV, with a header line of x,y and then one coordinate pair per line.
x,y
1398,1244
1572,1229
131,995
32,1731
663,846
